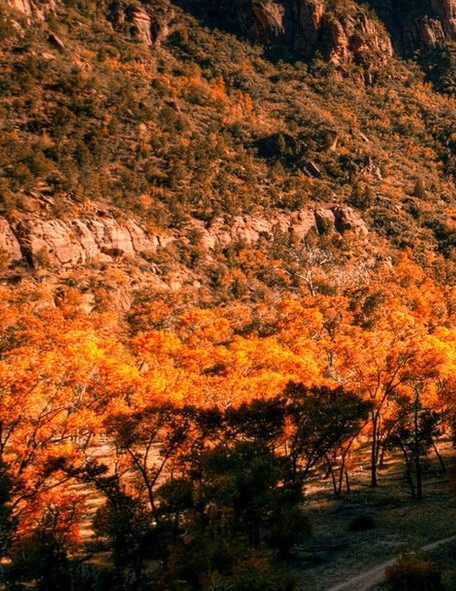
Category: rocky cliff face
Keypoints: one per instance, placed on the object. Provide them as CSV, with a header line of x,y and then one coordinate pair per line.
x,y
300,26
343,33
80,241
305,26
446,12
65,244
151,24
415,24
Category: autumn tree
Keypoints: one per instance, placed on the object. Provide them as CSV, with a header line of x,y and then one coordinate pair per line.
x,y
391,344
56,376
413,432
322,423
233,491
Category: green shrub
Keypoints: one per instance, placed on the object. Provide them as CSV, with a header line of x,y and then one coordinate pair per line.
x,y
362,523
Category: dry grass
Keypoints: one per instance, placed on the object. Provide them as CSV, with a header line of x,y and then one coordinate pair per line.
x,y
334,553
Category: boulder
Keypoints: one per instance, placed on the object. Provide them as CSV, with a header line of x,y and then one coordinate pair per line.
x,y
302,223
325,221
347,220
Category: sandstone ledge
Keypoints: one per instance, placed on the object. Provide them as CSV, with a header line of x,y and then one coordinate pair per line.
x,y
82,241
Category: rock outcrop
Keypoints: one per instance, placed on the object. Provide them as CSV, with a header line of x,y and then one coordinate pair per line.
x,y
417,25
344,35
267,22
446,11
77,242
133,21
309,16
343,32
323,220
33,8
103,239
141,24
150,24
9,245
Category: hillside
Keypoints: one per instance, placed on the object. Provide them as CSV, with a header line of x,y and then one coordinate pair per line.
x,y
142,113
227,257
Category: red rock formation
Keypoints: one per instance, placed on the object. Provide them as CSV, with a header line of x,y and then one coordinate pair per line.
x,y
343,36
308,16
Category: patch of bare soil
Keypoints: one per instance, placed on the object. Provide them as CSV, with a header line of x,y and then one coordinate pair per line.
x,y
334,553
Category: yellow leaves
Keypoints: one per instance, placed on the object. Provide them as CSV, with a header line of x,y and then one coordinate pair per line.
x,y
205,362
263,366
52,389
117,406
159,356
83,345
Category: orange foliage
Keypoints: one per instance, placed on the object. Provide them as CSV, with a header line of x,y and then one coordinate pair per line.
x,y
68,381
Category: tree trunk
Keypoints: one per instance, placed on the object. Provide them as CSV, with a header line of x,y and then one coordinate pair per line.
x,y
439,457
347,480
331,473
374,448
408,471
416,450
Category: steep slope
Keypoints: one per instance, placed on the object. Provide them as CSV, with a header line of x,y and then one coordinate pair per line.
x,y
136,136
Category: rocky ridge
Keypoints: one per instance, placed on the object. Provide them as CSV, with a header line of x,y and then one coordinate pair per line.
x,y
310,25
343,35
345,30
104,239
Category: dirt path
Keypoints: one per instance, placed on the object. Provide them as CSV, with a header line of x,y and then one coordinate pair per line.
x,y
368,579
